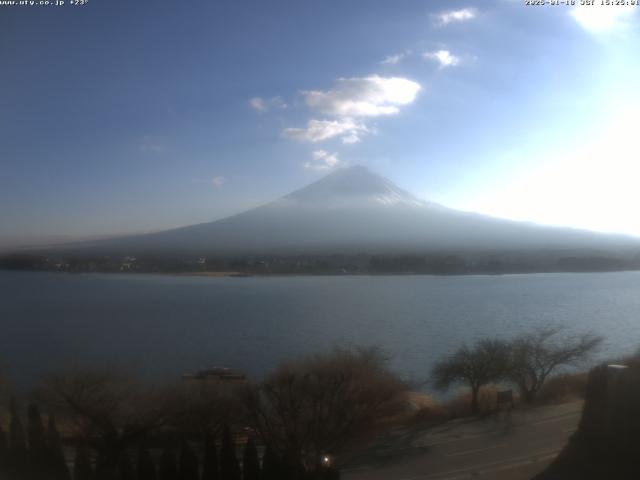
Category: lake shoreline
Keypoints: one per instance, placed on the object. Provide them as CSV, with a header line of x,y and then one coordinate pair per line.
x,y
238,274
168,324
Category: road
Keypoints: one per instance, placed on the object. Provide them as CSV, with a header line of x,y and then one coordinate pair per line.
x,y
492,448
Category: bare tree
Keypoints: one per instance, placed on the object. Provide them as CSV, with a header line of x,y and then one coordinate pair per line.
x,y
318,405
202,409
534,356
475,366
5,385
110,411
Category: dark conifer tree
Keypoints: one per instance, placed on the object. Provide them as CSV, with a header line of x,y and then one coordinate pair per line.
x,y
146,467
105,470
327,473
17,462
57,462
273,467
210,469
35,431
189,468
229,468
332,473
125,468
37,456
293,469
250,462
82,469
17,440
3,442
267,471
4,454
168,468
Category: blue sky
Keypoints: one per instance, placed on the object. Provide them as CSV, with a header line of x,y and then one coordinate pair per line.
x,y
123,117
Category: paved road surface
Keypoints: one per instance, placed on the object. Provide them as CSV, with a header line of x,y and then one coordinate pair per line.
x,y
498,447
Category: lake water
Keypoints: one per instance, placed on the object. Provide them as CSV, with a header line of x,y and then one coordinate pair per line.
x,y
168,325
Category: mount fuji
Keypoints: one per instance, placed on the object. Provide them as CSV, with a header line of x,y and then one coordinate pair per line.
x,y
353,210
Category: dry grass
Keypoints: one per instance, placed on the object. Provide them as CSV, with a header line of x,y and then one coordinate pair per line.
x,y
424,411
460,406
563,388
427,412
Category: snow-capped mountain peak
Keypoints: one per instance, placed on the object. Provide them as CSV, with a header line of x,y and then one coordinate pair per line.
x,y
353,210
354,185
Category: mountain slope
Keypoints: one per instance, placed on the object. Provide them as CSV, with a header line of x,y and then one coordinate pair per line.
x,y
353,210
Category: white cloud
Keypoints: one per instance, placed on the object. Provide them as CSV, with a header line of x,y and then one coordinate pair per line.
x,y
393,59
215,182
263,105
599,18
218,181
258,104
319,130
351,101
364,97
277,102
152,144
351,138
443,57
450,16
322,160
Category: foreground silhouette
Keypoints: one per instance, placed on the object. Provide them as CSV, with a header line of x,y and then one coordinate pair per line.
x,y
605,445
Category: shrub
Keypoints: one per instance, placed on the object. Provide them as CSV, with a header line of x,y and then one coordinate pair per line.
x,y
485,362
562,388
335,398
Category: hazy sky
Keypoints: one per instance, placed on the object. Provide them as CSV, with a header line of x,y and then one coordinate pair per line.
x,y
123,116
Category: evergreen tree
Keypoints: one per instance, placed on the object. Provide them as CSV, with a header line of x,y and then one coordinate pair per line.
x,y
294,470
3,443
327,473
210,469
82,469
17,440
105,470
125,469
4,454
268,471
229,468
189,467
35,431
146,467
273,467
37,456
250,462
168,468
57,462
17,462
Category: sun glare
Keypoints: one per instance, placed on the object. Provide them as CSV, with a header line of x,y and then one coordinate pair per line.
x,y
601,18
593,186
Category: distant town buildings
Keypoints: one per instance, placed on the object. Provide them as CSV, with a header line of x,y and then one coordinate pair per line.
x,y
216,374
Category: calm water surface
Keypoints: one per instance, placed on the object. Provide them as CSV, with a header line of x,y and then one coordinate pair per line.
x,y
166,325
